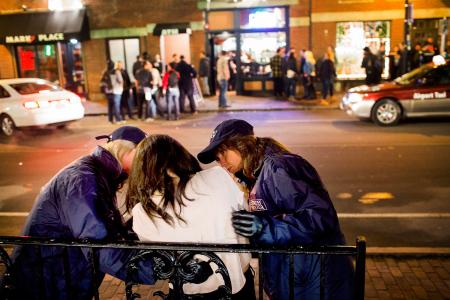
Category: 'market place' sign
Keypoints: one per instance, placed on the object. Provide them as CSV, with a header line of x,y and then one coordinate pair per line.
x,y
34,38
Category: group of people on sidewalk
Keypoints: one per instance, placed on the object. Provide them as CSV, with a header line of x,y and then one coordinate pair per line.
x,y
400,59
155,91
288,71
260,193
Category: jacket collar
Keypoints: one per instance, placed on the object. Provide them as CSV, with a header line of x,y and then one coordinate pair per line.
x,y
110,166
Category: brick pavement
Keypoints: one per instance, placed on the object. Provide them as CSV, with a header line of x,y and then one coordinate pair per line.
x,y
387,277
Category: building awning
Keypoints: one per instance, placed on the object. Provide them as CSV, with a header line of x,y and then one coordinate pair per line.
x,y
171,29
44,27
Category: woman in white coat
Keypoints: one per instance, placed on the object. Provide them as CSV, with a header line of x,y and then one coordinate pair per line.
x,y
173,200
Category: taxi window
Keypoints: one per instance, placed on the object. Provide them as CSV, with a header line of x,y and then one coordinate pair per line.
x,y
411,77
439,75
3,93
27,88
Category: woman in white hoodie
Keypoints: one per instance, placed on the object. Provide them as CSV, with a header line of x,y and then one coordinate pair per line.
x,y
173,200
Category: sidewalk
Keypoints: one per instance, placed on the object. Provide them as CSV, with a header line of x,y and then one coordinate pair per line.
x,y
387,277
238,103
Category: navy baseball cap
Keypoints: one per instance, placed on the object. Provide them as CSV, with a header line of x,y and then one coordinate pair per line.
x,y
224,131
127,133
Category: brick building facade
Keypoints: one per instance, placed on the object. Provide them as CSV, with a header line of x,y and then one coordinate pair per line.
x,y
314,27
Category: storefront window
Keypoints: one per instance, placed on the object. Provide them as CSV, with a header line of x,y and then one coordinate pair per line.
x,y
38,61
351,38
263,18
124,50
257,49
71,54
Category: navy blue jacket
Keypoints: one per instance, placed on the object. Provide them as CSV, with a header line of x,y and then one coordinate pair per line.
x,y
75,204
299,212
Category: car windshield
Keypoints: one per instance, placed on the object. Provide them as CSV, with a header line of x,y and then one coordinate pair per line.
x,y
27,88
412,76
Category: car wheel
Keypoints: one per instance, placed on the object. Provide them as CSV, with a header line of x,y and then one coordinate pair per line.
x,y
7,125
386,113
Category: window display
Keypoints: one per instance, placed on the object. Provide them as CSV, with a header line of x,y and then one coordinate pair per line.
x,y
351,38
257,49
38,61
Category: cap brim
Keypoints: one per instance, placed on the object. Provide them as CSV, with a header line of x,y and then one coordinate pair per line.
x,y
207,156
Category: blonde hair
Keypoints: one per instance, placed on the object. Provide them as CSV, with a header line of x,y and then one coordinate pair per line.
x,y
118,65
309,56
119,148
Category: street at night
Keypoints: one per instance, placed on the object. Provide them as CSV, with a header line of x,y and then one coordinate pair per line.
x,y
388,184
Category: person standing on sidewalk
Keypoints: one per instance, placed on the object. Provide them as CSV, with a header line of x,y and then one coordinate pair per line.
x,y
204,73
372,66
186,86
326,73
107,89
156,90
308,75
144,81
125,101
291,75
80,203
276,65
117,86
171,91
223,75
288,205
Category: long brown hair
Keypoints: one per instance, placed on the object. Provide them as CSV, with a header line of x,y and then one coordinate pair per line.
x,y
252,150
156,155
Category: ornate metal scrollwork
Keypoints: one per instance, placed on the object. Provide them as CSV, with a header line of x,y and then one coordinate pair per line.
x,y
179,267
6,287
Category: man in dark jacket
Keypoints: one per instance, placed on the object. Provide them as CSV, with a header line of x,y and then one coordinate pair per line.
x,y
187,73
125,103
289,206
204,73
327,73
372,66
144,82
79,202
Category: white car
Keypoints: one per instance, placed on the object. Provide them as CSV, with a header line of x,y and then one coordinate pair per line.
x,y
36,102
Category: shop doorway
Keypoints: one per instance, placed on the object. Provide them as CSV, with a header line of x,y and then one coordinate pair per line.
x,y
219,42
175,44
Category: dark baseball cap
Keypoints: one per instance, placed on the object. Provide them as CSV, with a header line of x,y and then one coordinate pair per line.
x,y
224,131
127,133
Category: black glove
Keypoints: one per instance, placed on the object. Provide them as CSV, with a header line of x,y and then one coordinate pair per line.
x,y
246,224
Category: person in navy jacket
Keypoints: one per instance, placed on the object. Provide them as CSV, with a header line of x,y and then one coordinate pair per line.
x,y
79,202
288,205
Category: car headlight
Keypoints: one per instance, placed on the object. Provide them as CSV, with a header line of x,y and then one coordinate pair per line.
x,y
354,97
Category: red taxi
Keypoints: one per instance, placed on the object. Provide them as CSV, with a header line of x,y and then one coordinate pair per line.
x,y
424,91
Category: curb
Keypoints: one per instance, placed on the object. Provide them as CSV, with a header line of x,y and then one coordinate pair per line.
x,y
408,251
302,107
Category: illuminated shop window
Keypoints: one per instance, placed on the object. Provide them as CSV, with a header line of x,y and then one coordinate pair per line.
x,y
64,4
263,18
351,38
257,49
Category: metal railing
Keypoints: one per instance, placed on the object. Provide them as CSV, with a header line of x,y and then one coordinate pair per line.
x,y
174,261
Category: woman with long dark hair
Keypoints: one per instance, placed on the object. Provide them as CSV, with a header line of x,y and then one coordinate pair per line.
x,y
288,205
173,200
